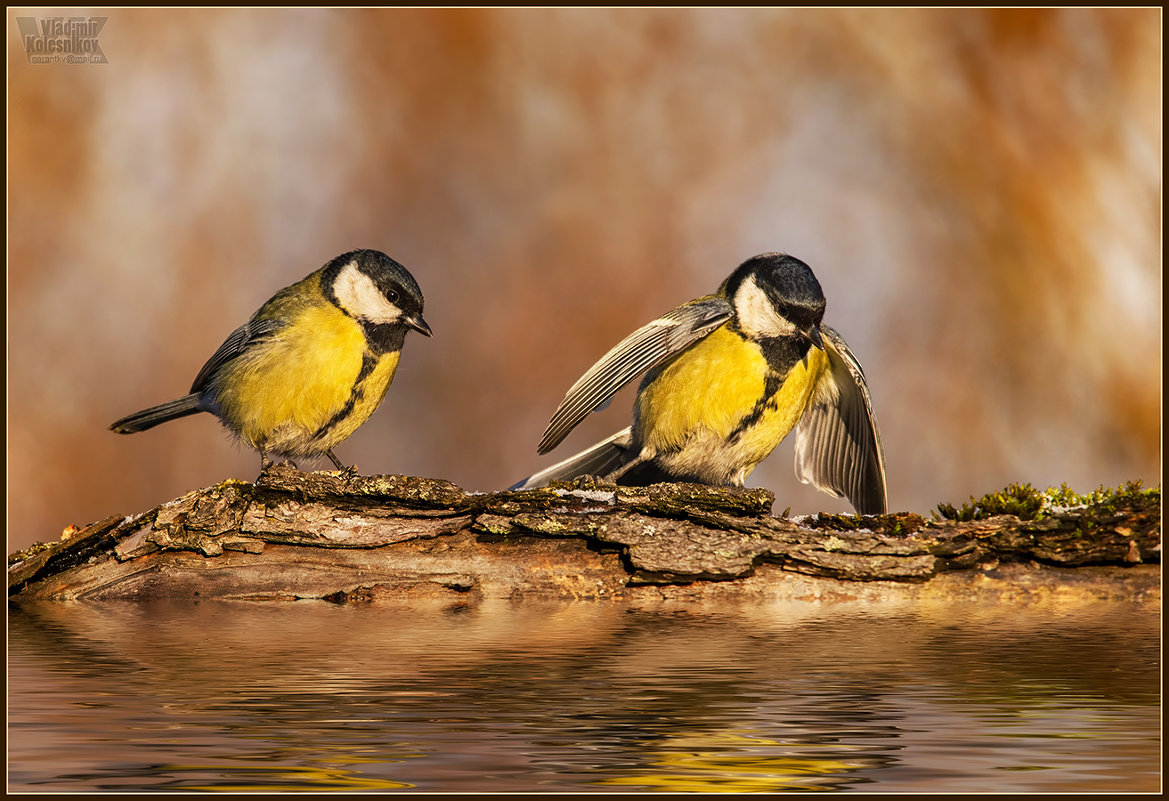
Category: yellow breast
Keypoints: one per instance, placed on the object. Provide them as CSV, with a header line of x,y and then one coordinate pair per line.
x,y
298,392
367,396
710,415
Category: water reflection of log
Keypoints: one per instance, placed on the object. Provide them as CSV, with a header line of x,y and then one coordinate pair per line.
x,y
649,693
342,537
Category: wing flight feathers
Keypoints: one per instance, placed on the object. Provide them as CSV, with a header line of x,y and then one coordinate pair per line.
x,y
235,344
632,356
838,446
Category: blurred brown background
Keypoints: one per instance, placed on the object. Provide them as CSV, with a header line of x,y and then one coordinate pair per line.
x,y
979,193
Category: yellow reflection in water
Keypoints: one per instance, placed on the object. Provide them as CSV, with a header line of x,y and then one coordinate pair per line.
x,y
281,778
726,762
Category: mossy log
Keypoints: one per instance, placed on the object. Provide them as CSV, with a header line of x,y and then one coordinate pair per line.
x,y
339,536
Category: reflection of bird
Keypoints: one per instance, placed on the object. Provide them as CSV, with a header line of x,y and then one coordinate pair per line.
x,y
729,376
311,365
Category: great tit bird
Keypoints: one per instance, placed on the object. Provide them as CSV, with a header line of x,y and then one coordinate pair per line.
x,y
311,365
729,376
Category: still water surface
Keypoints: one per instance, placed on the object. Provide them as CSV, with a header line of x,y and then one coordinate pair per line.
x,y
584,697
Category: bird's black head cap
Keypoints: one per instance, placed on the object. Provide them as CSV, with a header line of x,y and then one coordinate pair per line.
x,y
788,283
379,292
394,280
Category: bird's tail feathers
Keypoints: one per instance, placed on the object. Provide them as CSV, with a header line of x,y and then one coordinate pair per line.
x,y
149,418
599,460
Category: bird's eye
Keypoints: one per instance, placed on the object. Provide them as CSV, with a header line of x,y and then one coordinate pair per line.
x,y
392,295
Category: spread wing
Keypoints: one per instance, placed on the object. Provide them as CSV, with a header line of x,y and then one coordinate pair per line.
x,y
632,356
236,343
838,446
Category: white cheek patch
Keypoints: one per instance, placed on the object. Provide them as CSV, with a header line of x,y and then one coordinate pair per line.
x,y
756,314
359,295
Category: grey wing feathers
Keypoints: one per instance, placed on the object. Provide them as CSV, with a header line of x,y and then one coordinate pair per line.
x,y
632,356
599,460
838,446
235,344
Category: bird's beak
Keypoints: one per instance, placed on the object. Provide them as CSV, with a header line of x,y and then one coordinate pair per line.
x,y
814,335
416,322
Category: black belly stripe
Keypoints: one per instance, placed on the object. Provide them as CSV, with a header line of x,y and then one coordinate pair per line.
x,y
368,362
771,386
782,354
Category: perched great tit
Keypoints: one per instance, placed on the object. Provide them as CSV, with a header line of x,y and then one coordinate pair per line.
x,y
729,376
311,365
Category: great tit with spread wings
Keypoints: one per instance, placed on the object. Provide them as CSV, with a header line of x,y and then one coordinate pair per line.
x,y
727,377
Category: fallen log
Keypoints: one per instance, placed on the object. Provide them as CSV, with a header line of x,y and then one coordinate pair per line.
x,y
342,537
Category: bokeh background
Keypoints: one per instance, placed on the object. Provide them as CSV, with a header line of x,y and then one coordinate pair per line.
x,y
978,192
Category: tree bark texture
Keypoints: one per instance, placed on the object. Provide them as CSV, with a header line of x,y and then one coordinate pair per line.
x,y
341,537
